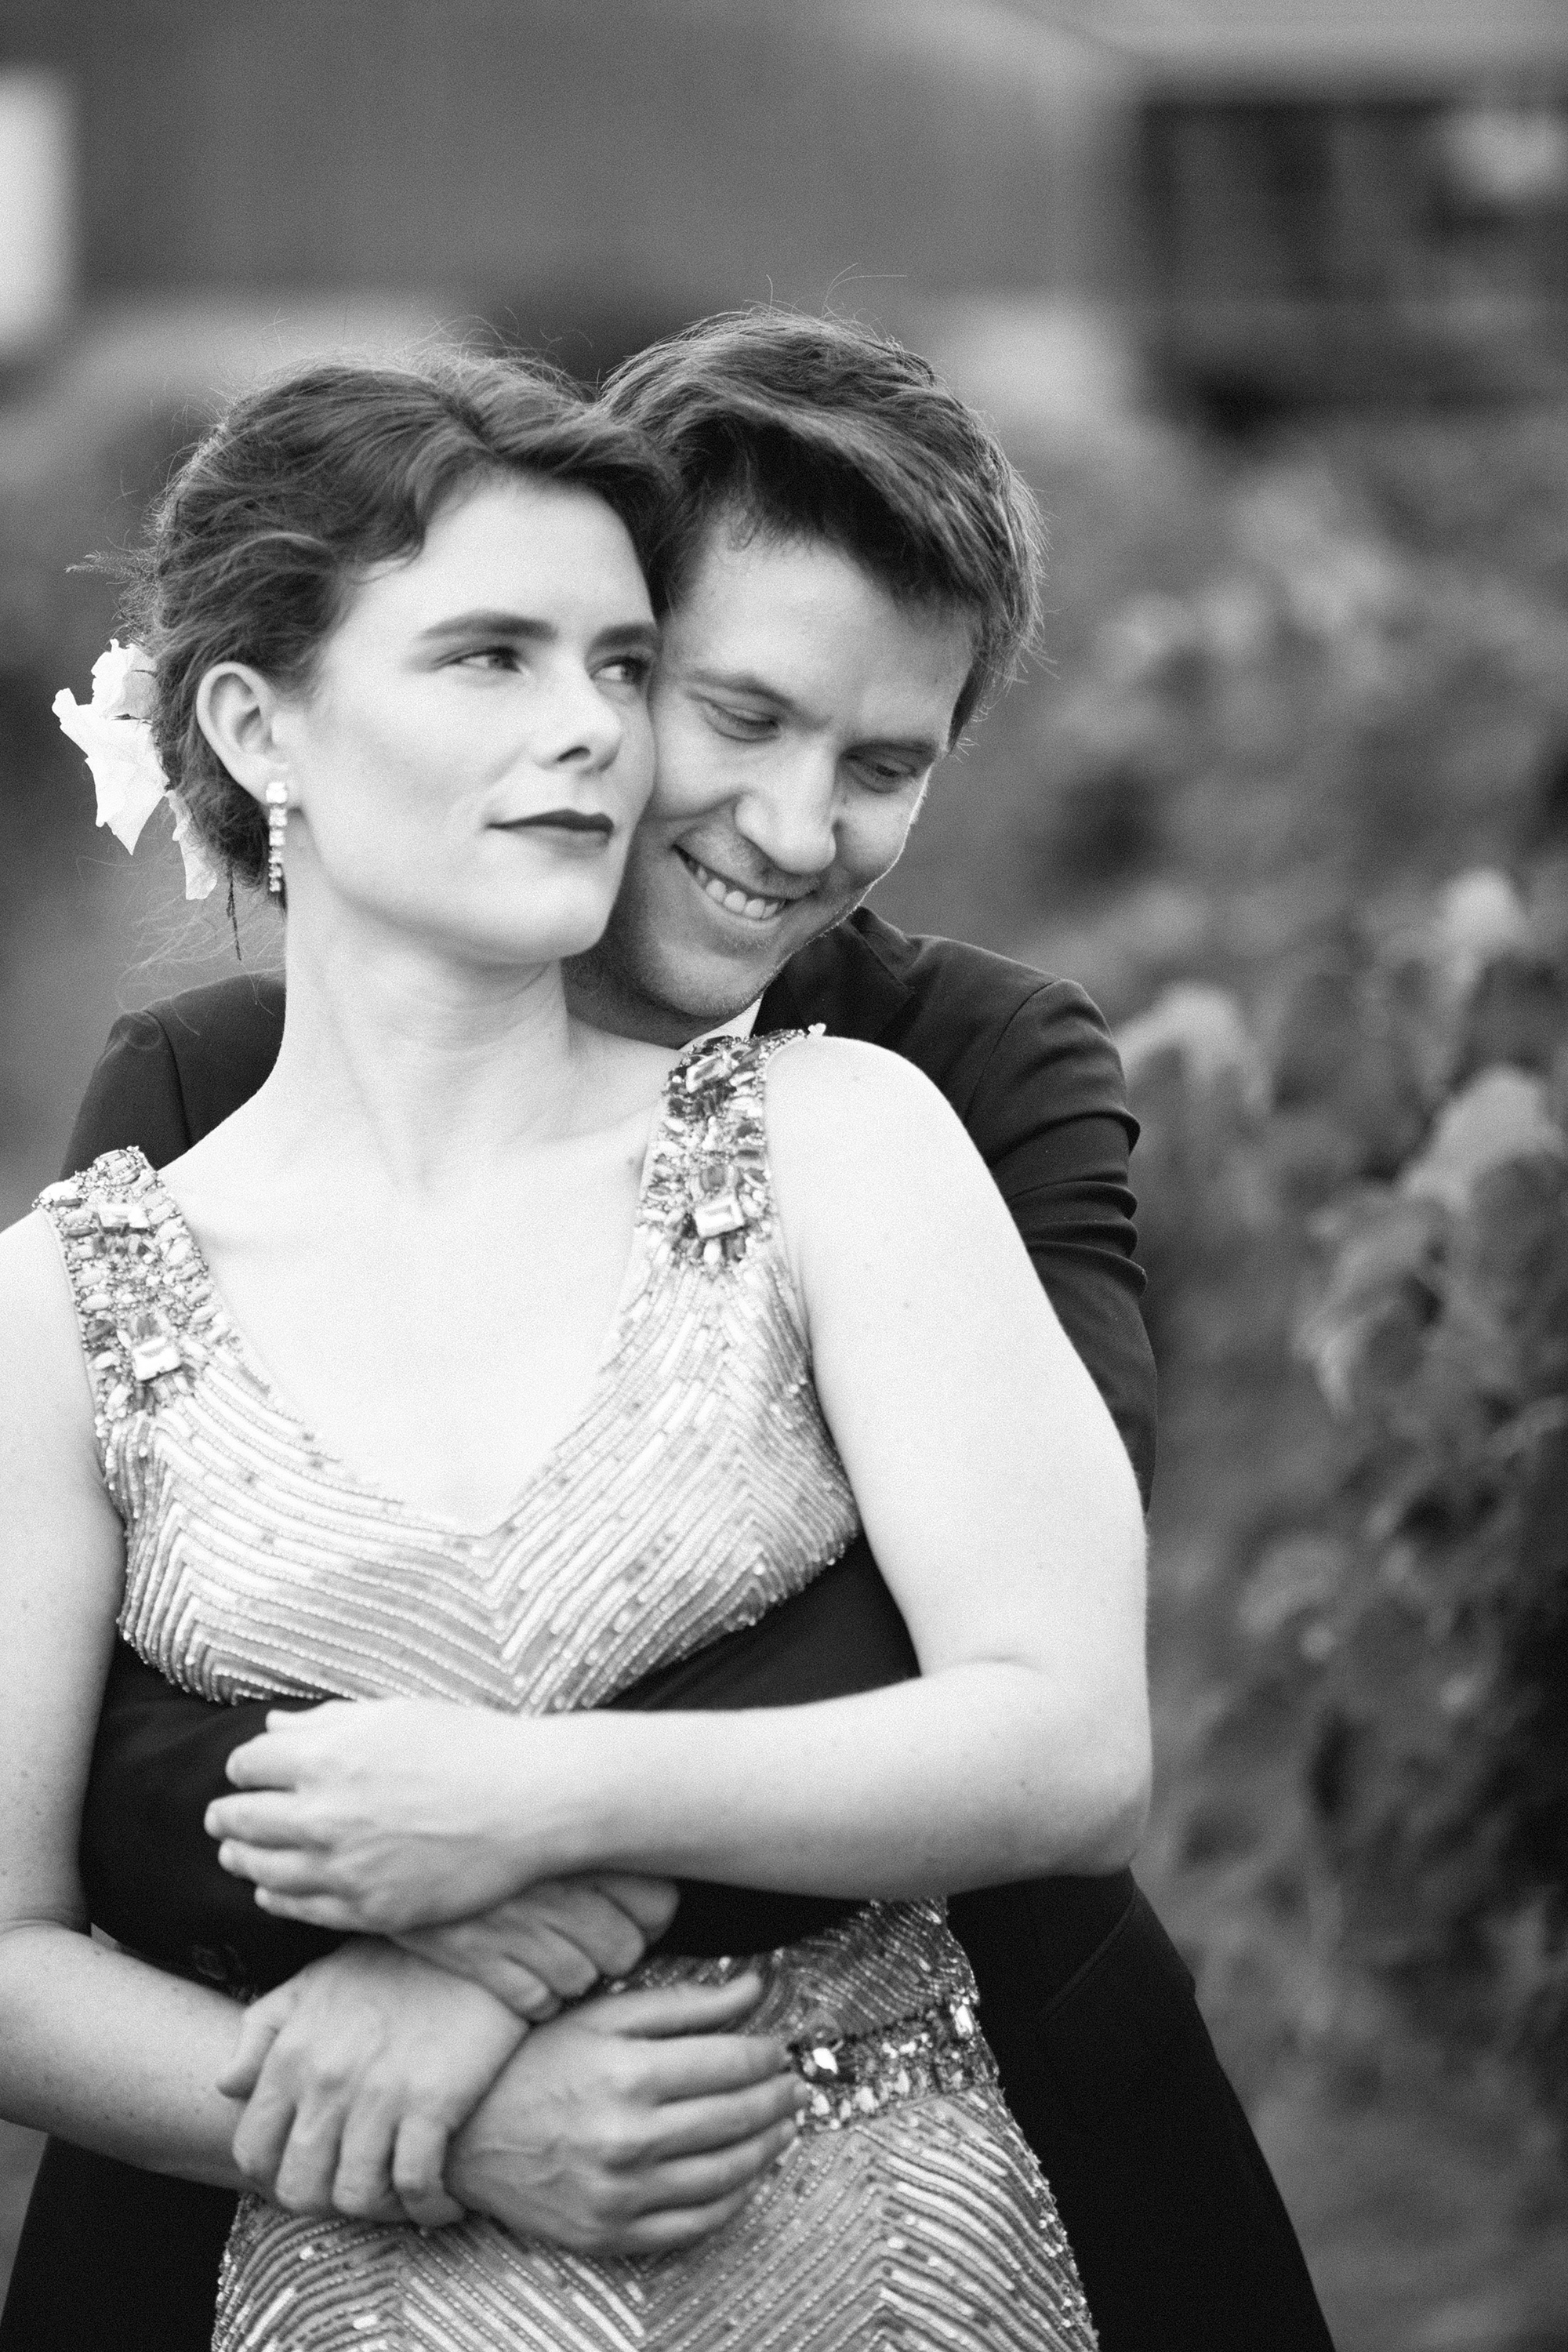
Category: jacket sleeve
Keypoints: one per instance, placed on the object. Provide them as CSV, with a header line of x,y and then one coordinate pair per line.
x,y
132,1096
1048,1113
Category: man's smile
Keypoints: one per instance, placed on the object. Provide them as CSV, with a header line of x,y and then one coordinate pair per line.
x,y
750,905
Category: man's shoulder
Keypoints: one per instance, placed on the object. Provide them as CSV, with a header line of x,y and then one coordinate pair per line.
x,y
247,1005
178,1067
952,1008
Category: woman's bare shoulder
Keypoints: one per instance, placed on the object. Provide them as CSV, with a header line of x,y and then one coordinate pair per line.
x,y
43,1373
840,1102
816,1077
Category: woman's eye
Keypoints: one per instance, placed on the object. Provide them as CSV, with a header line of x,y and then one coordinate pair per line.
x,y
502,657
627,669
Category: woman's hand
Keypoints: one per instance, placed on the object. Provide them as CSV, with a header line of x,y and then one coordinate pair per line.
x,y
552,1942
357,2073
380,1815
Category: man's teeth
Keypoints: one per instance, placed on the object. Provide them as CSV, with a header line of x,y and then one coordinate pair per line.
x,y
725,894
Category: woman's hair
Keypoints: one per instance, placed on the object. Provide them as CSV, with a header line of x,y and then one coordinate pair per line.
x,y
792,427
304,485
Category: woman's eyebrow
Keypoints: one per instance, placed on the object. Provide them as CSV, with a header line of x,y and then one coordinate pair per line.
x,y
628,636
638,635
489,623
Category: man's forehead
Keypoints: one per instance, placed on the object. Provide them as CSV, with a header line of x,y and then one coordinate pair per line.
x,y
798,621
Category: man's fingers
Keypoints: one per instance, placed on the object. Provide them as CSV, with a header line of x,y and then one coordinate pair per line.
x,y
484,1964
699,2066
652,1902
699,2126
566,1966
707,2179
418,2159
519,1989
666,2232
671,2010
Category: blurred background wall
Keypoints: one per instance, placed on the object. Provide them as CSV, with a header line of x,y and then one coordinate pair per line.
x,y
1269,297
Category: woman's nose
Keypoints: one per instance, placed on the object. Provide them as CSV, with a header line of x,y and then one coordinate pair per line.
x,y
576,726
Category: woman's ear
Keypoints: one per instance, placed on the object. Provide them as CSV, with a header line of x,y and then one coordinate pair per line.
x,y
237,710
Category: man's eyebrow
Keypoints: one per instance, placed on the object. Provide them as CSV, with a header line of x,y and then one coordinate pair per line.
x,y
744,681
920,750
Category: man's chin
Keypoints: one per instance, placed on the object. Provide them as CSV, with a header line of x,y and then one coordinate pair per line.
x,y
635,983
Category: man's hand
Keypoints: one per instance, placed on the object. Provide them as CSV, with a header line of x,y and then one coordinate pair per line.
x,y
637,2123
357,2072
552,1942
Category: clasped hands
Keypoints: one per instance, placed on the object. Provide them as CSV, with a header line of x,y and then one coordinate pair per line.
x,y
434,2067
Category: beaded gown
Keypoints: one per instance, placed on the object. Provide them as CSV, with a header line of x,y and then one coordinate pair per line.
x,y
697,1487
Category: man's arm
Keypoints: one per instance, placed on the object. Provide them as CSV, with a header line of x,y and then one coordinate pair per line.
x,y
1048,1115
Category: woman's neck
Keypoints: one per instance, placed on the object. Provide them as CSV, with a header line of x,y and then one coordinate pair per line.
x,y
409,1069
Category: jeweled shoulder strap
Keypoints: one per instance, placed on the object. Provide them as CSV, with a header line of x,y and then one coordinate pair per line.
x,y
138,1282
708,1191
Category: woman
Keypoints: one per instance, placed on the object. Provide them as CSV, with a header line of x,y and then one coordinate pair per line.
x,y
728,1303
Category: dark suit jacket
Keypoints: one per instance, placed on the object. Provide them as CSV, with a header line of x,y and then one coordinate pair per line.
x,y
1085,1999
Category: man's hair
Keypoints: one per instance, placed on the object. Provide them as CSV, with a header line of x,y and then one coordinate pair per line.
x,y
793,427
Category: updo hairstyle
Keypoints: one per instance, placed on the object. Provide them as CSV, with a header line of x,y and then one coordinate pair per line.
x,y
302,487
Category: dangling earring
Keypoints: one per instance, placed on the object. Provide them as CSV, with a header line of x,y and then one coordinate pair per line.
x,y
276,826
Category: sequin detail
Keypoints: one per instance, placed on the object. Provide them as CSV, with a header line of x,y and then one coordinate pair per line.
x,y
697,1486
941,2051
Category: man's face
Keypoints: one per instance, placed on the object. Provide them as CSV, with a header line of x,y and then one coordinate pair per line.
x,y
798,711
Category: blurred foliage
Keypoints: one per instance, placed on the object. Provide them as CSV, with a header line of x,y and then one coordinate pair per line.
x,y
1355,1160
1294,804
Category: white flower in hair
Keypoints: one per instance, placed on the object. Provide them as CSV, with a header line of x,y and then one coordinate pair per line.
x,y
201,873
113,732
126,773
122,682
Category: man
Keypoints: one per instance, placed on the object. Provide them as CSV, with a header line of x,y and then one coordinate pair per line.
x,y
853,542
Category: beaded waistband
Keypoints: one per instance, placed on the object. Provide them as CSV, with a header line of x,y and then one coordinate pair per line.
x,y
943,2050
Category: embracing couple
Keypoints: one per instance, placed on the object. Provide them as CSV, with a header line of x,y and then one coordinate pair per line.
x,y
665,1347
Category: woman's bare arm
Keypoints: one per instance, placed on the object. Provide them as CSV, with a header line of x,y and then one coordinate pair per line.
x,y
96,2047
1001,1507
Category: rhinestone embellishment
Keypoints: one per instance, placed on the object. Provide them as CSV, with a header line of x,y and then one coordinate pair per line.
x,y
941,2051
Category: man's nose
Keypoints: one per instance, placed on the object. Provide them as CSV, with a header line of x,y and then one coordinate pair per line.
x,y
790,817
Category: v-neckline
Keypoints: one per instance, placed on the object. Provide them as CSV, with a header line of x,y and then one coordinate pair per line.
x,y
326,1456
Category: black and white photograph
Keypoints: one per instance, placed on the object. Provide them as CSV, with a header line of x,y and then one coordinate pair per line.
x,y
783,1176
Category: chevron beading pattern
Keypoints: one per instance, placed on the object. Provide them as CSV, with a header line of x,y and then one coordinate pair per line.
x,y
697,1487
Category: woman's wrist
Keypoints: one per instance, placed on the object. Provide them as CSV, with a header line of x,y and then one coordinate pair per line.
x,y
570,1795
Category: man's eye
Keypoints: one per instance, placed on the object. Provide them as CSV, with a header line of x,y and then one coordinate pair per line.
x,y
742,726
879,776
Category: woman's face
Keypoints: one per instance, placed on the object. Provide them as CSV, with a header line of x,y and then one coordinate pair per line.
x,y
473,751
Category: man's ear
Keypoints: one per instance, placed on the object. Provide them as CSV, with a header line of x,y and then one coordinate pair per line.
x,y
238,711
